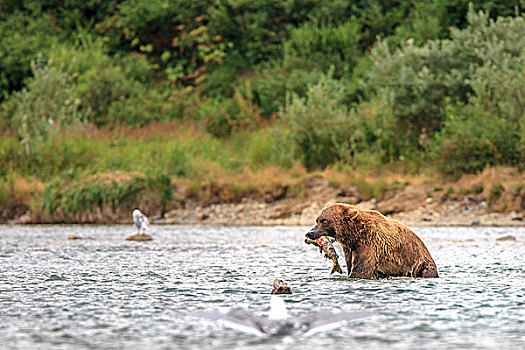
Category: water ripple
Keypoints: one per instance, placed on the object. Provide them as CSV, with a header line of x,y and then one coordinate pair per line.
x,y
106,293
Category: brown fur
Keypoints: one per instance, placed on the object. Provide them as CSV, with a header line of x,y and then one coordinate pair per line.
x,y
374,245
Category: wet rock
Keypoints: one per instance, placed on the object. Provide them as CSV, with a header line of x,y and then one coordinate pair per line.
x,y
55,278
74,237
506,238
139,237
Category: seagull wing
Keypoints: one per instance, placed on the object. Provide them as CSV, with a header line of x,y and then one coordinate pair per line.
x,y
145,222
237,318
326,320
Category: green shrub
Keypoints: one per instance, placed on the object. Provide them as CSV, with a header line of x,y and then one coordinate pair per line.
x,y
477,188
495,192
12,155
178,162
71,197
117,91
266,147
46,106
424,78
140,109
326,45
426,22
23,37
320,125
470,142
378,136
273,82
218,116
161,183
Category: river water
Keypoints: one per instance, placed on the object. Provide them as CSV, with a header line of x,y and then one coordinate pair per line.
x,y
103,292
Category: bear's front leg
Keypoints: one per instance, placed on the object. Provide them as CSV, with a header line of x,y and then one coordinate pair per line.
x,y
348,258
361,267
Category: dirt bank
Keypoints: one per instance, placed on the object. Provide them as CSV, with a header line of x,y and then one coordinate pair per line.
x,y
414,205
495,197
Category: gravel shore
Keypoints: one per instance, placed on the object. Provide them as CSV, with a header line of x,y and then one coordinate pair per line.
x,y
450,213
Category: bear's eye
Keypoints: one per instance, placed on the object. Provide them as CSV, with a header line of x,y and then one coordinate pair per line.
x,y
324,221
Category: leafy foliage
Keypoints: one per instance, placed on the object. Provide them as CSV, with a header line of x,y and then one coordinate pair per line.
x,y
319,124
272,82
424,79
46,106
326,45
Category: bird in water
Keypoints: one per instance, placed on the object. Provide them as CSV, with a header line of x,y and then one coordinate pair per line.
x,y
279,287
140,221
278,323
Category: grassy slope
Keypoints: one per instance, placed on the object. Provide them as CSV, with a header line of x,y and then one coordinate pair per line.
x,y
204,169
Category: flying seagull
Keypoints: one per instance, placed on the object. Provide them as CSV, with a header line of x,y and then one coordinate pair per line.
x,y
278,323
140,221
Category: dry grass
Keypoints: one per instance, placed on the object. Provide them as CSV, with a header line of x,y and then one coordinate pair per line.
x,y
18,191
152,131
117,176
501,187
27,188
212,182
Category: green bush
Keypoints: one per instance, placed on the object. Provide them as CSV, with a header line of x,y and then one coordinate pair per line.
x,y
141,109
379,138
427,21
117,91
489,129
426,79
472,140
273,82
161,183
266,147
477,188
217,115
46,106
326,45
320,125
23,37
70,197
12,155
178,162
495,192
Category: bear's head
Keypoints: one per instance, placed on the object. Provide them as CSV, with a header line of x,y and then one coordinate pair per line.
x,y
331,220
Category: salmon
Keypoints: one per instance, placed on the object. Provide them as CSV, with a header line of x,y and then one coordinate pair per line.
x,y
325,244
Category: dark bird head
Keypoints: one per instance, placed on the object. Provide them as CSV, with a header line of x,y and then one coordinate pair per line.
x,y
279,287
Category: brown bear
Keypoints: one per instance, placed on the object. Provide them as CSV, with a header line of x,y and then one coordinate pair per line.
x,y
374,245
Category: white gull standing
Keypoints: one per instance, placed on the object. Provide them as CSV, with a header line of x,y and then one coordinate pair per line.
x,y
140,221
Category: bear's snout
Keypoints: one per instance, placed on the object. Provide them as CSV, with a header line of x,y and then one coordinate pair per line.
x,y
314,233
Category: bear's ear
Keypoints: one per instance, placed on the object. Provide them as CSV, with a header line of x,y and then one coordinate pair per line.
x,y
350,214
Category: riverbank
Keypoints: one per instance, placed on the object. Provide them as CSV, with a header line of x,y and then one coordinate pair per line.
x,y
414,205
451,213
496,197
